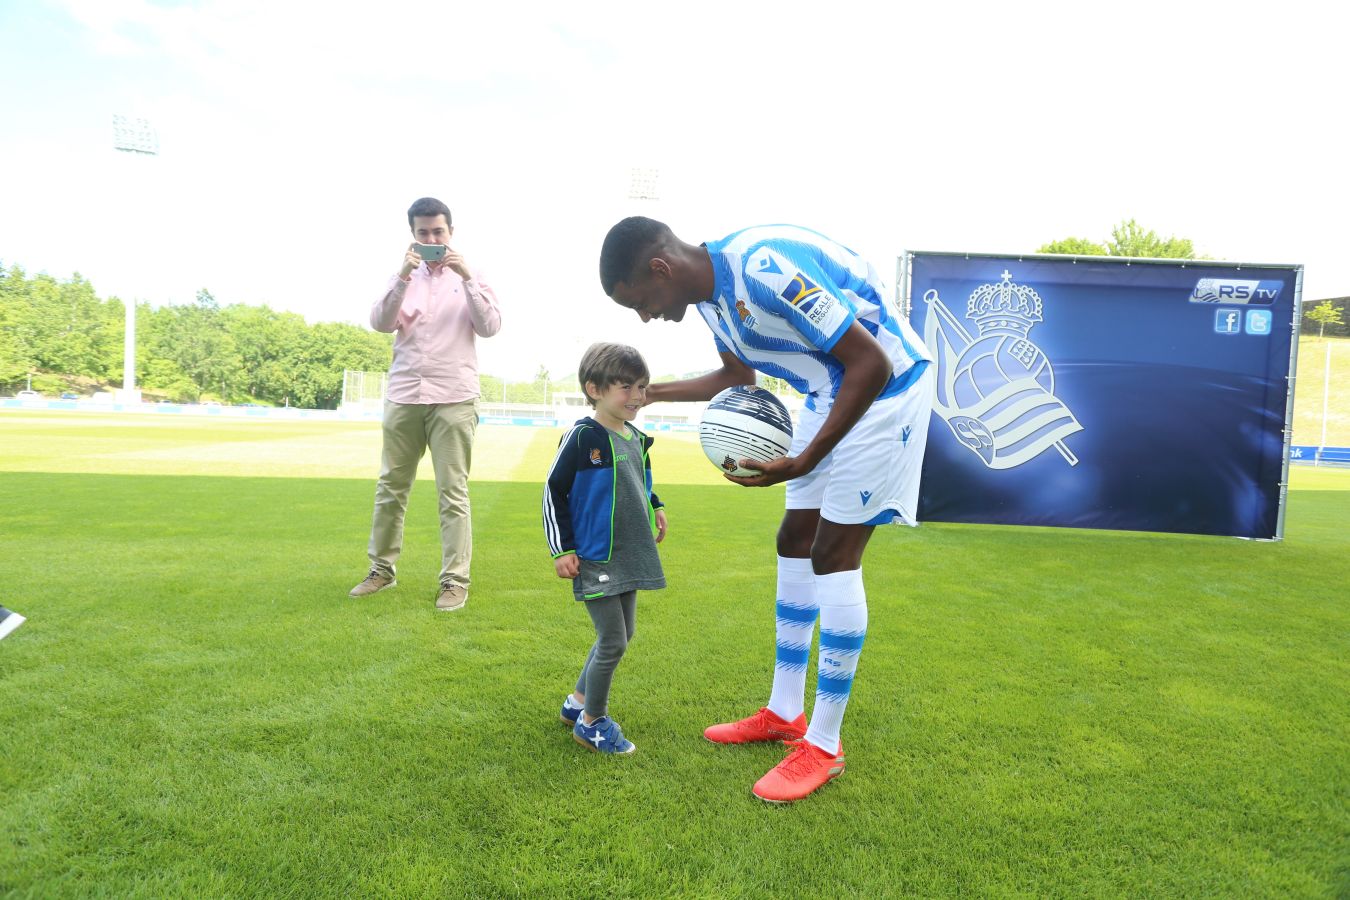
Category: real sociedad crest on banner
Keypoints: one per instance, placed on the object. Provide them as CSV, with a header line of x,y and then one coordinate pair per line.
x,y
1102,392
996,390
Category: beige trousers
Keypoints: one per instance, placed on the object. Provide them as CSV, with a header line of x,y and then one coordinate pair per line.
x,y
409,429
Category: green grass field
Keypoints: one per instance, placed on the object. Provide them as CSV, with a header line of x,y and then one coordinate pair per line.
x,y
195,708
1312,384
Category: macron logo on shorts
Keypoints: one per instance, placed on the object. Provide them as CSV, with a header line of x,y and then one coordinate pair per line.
x,y
904,435
866,495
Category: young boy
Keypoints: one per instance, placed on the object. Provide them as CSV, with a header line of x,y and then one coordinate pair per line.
x,y
599,513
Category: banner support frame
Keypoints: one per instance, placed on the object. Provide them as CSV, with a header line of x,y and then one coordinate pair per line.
x,y
1289,401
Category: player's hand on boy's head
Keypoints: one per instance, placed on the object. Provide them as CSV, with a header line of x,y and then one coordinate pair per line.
x,y
567,566
410,261
660,525
775,471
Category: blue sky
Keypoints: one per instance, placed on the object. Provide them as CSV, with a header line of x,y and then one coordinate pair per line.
x,y
293,136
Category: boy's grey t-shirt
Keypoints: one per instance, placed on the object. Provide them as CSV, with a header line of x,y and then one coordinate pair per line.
x,y
634,564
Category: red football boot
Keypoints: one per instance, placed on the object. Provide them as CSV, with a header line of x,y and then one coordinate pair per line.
x,y
806,768
762,726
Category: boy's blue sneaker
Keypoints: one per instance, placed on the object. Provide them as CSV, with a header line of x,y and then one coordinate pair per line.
x,y
603,736
570,710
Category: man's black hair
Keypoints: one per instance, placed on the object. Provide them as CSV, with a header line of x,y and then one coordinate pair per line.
x,y
623,250
428,206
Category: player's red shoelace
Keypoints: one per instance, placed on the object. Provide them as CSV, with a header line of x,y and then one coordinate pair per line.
x,y
800,773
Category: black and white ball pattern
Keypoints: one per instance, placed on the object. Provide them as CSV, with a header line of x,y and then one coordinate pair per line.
x,y
744,422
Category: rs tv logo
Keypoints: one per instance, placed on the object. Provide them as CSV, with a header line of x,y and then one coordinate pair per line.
x,y
1235,290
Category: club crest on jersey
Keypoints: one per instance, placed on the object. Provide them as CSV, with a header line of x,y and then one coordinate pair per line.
x,y
595,456
747,317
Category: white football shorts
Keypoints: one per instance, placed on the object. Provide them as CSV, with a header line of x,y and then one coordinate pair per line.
x,y
871,477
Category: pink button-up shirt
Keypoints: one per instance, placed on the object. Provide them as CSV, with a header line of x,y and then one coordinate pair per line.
x,y
434,318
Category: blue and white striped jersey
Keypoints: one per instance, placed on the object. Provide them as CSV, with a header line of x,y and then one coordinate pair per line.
x,y
785,295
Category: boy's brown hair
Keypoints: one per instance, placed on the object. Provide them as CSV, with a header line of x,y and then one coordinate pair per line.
x,y
605,364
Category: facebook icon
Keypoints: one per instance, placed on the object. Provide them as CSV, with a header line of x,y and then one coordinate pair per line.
x,y
1228,321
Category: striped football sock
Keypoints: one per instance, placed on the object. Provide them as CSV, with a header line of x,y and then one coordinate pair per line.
x,y
796,622
843,625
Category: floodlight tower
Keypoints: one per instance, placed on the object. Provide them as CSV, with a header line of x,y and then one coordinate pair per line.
x,y
136,137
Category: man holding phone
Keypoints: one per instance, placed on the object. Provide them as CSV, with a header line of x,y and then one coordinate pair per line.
x,y
435,306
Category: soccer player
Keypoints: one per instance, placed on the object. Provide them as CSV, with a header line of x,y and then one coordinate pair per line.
x,y
796,305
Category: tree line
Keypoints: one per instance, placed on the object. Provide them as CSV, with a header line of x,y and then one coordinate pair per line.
x,y
63,333
1129,238
65,337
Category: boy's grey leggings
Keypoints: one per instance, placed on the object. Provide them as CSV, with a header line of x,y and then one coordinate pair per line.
x,y
615,619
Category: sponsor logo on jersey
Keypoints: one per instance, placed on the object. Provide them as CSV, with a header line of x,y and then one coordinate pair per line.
x,y
801,292
818,309
767,264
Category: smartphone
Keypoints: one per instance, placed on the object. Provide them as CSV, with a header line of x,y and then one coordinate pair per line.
x,y
430,252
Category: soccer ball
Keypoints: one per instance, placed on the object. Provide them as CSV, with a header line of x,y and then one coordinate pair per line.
x,y
744,422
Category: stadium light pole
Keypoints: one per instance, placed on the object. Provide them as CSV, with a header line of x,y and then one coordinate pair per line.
x,y
136,137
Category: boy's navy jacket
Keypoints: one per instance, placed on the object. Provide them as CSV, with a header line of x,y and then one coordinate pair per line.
x,y
579,494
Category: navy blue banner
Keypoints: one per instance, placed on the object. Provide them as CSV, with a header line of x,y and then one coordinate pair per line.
x,y
1105,394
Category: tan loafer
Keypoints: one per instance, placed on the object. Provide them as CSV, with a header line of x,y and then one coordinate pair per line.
x,y
452,597
375,582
